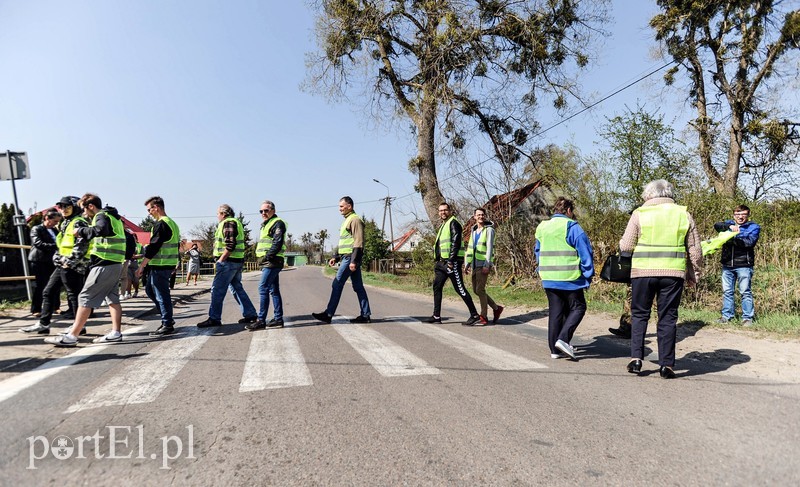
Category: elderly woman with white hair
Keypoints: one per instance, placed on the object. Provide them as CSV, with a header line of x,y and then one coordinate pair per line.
x,y
666,254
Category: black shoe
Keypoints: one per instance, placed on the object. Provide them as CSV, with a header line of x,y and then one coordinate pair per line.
x,y
67,315
472,320
666,372
257,325
322,316
251,319
624,330
273,323
162,331
83,331
209,323
635,366
434,319
361,319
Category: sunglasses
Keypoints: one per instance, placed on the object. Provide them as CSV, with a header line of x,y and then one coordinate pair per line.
x,y
264,212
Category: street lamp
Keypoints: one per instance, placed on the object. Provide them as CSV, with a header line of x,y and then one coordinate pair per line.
x,y
387,208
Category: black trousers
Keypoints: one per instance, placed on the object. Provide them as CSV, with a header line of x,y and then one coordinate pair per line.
x,y
42,271
566,310
667,291
72,282
440,275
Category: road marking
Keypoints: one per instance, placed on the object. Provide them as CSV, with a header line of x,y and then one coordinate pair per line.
x,y
274,361
14,385
146,377
388,358
487,354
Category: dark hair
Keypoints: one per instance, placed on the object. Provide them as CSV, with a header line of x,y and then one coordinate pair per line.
x,y
562,205
50,215
479,209
156,200
444,203
347,200
742,208
226,210
90,199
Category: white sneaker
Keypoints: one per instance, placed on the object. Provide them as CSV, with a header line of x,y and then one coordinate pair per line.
x,y
566,348
62,341
112,336
556,355
122,297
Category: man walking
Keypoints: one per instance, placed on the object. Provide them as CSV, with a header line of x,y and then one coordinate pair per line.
x,y
270,251
160,258
105,264
738,259
71,264
349,255
478,262
449,254
229,252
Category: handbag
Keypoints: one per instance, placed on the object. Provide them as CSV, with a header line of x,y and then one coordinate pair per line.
x,y
616,268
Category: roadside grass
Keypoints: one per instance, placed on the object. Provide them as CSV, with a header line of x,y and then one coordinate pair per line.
x,y
601,298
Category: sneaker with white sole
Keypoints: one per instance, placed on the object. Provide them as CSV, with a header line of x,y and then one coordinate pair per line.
x,y
566,348
62,340
37,328
110,337
557,355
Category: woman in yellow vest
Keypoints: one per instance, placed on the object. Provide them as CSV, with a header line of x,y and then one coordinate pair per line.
x,y
566,266
666,253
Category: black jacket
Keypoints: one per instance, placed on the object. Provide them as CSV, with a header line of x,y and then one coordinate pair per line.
x,y
456,243
277,233
43,245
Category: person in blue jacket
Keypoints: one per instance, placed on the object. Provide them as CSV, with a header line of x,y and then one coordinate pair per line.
x,y
566,266
738,258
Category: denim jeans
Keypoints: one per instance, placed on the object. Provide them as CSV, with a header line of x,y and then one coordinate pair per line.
x,y
157,289
270,286
338,286
730,276
229,275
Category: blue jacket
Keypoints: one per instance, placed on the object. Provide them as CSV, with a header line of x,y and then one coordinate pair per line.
x,y
739,251
578,239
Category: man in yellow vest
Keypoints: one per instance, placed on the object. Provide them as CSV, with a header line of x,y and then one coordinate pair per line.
x,y
71,264
449,255
566,267
107,252
478,262
349,254
229,252
160,258
270,252
666,254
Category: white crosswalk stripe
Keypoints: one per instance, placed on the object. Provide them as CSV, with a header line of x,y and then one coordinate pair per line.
x,y
145,377
486,354
274,361
388,358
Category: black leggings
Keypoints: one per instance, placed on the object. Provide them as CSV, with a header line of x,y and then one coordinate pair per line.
x,y
441,275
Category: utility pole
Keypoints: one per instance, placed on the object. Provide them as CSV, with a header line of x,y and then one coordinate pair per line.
x,y
387,208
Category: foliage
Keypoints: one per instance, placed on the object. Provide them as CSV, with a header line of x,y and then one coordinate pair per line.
x,y
456,68
11,259
147,223
376,246
204,232
730,51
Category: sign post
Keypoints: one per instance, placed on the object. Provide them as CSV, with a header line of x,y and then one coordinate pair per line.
x,y
16,167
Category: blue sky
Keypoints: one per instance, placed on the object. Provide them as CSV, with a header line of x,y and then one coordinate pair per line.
x,y
200,102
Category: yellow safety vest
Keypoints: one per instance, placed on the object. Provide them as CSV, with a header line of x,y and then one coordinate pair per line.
x,y
346,239
65,240
110,248
264,240
558,260
443,240
479,247
168,253
219,247
662,242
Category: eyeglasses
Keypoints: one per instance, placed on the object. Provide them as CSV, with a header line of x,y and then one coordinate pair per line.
x,y
264,212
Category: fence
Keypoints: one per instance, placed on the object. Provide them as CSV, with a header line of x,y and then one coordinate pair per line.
x,y
15,278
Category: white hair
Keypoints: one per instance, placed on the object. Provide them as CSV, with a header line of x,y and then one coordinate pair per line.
x,y
660,188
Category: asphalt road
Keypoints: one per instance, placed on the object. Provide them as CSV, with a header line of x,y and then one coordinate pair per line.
x,y
392,402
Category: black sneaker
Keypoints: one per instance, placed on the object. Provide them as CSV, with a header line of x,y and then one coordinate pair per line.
x,y
162,330
472,320
322,316
273,323
251,319
256,325
434,319
361,319
209,323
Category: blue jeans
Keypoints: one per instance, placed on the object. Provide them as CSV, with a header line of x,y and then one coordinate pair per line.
x,y
229,275
730,276
270,285
338,286
156,287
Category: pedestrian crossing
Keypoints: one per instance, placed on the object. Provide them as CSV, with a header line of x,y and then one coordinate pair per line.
x,y
275,360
